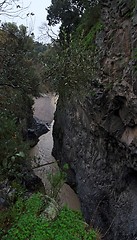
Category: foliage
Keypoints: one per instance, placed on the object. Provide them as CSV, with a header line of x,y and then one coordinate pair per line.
x,y
66,12
61,11
18,83
89,19
57,180
17,69
88,40
70,70
25,221
13,151
69,13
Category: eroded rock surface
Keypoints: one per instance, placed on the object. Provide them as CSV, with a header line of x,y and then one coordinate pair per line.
x,y
98,137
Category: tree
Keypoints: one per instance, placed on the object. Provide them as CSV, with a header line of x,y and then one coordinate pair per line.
x,y
18,82
68,67
16,58
68,13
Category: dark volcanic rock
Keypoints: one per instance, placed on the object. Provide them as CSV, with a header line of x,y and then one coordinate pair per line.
x,y
37,128
11,187
97,137
30,181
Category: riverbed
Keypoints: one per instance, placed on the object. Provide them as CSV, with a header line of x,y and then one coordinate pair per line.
x,y
43,163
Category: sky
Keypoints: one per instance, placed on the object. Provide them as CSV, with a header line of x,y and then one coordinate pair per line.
x,y
33,22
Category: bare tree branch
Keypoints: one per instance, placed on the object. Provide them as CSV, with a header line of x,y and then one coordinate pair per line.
x,y
43,165
8,85
12,8
47,32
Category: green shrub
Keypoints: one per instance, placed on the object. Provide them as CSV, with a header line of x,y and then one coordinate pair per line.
x,y
57,180
13,150
90,17
88,40
70,69
72,72
29,223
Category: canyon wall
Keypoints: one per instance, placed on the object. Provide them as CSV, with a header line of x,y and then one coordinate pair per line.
x,y
97,137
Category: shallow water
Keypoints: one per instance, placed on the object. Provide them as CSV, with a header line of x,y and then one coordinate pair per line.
x,y
44,163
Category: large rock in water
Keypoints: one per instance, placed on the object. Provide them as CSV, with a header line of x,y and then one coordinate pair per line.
x,y
97,137
37,128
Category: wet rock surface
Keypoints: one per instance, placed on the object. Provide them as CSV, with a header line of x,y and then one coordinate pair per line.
x,y
98,137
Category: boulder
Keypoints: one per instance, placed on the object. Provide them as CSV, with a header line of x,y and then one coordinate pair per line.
x,y
36,129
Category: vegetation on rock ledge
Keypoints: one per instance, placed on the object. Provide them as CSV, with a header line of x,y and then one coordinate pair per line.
x,y
26,220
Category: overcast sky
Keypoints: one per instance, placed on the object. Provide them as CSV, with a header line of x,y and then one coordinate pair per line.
x,y
33,22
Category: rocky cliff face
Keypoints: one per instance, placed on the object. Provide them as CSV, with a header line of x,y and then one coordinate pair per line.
x,y
98,137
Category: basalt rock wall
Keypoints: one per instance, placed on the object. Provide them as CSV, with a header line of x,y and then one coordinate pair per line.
x,y
97,137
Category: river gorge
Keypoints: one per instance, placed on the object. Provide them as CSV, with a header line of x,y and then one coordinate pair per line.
x,y
43,162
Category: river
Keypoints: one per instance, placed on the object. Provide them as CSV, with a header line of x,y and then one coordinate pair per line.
x,y
43,162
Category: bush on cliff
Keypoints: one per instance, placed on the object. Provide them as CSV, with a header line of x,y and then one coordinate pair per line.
x,y
70,69
12,148
26,221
